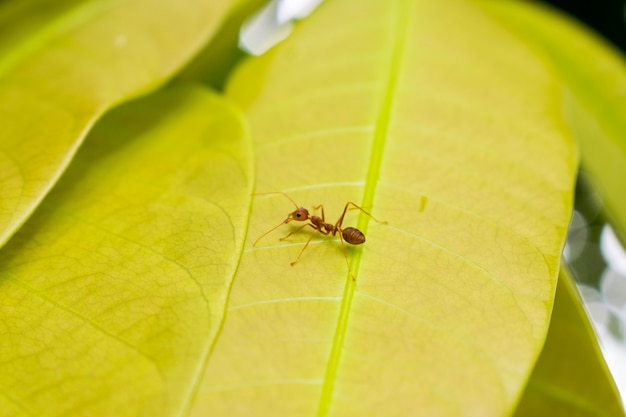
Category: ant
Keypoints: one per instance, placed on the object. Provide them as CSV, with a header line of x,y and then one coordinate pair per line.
x,y
351,235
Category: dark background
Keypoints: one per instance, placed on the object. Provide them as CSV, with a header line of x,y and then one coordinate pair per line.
x,y
605,16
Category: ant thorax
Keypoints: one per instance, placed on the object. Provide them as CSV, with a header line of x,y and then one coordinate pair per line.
x,y
321,225
331,228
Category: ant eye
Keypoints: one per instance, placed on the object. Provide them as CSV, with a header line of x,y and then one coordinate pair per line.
x,y
298,215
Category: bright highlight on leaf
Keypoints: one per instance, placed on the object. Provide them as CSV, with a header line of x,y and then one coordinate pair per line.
x,y
59,75
114,291
420,101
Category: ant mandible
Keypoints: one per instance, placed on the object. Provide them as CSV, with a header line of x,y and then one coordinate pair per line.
x,y
351,235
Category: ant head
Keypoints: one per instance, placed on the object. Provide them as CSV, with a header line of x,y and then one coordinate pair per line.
x,y
301,214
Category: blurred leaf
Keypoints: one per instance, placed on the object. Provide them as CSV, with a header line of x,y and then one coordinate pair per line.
x,y
215,62
114,291
435,119
571,378
595,76
20,19
61,67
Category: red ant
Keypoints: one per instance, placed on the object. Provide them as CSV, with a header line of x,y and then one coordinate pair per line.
x,y
351,235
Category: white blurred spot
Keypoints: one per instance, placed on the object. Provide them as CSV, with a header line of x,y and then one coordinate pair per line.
x,y
613,287
589,294
262,31
621,315
598,313
613,349
272,24
612,250
295,9
615,355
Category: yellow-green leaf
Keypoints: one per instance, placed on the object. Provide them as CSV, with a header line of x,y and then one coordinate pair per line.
x,y
59,75
596,80
434,118
114,291
213,64
571,378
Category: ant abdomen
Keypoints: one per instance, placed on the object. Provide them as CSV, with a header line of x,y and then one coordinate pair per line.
x,y
353,235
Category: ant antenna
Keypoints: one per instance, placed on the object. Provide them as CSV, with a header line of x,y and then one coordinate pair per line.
x,y
287,220
279,192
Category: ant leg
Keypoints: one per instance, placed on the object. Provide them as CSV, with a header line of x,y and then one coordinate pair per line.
x,y
305,246
340,221
345,255
322,207
297,230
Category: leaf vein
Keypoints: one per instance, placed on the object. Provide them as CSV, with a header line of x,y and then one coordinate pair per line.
x,y
400,22
283,300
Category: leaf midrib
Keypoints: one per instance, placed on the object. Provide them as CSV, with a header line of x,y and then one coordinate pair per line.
x,y
401,14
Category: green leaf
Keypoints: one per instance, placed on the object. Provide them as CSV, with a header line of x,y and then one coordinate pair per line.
x,y
214,63
115,289
61,69
434,118
571,378
595,74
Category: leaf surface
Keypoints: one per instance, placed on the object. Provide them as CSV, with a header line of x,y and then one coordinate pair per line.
x,y
571,378
114,291
62,66
594,100
435,119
